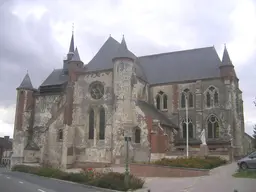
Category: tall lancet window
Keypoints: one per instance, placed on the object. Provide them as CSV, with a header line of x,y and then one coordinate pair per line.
x,y
102,124
91,124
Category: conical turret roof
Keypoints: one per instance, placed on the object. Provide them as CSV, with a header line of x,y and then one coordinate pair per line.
x,y
26,83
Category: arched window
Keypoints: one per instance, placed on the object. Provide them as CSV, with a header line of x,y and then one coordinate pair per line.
x,y
91,124
60,134
190,100
183,100
216,98
212,97
158,102
165,100
102,124
190,129
208,99
213,127
137,135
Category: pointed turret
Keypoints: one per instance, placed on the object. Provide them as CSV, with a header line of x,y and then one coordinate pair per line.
x,y
226,66
123,51
226,59
76,56
26,83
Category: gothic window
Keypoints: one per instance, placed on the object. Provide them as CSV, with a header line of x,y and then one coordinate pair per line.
x,y
60,134
102,124
96,90
208,99
165,100
183,100
190,100
158,101
216,98
137,135
212,97
213,127
91,124
190,129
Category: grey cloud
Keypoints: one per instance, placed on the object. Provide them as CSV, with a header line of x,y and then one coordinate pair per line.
x,y
24,46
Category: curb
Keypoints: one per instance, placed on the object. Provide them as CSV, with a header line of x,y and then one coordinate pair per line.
x,y
84,185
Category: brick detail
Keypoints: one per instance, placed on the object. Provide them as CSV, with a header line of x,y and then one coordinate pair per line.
x,y
19,110
156,137
175,100
142,170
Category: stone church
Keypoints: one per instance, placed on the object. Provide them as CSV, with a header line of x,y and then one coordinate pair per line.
x,y
82,113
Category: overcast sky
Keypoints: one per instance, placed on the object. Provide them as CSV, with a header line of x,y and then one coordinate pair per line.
x,y
35,35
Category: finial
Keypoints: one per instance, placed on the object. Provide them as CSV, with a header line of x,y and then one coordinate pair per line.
x,y
109,35
73,28
123,35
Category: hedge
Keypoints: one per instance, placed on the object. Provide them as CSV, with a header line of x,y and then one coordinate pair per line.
x,y
111,180
192,162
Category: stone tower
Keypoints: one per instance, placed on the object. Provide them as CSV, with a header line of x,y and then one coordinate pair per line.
x,y
234,125
23,119
123,77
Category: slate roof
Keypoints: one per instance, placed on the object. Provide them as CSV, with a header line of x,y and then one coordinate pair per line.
x,y
169,67
76,56
181,65
123,52
26,83
151,111
226,59
55,78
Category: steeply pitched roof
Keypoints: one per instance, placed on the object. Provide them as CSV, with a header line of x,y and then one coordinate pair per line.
x,y
151,111
103,59
55,78
181,65
226,59
26,83
76,56
169,67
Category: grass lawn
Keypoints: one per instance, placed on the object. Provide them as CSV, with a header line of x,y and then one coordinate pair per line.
x,y
246,174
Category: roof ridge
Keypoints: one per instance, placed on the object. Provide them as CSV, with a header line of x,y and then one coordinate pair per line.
x,y
181,51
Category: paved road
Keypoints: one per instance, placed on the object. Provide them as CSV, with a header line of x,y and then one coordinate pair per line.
x,y
21,182
220,180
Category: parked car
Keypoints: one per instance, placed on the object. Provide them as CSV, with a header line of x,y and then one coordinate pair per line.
x,y
248,162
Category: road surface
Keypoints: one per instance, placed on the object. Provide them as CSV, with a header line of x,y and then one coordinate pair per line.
x,y
22,182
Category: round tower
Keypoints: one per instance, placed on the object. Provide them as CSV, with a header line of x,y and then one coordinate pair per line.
x,y
23,119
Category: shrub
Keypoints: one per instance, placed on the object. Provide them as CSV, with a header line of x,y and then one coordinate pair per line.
x,y
110,180
192,162
116,181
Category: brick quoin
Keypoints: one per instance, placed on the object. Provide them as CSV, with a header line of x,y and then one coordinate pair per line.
x,y
175,100
20,110
158,141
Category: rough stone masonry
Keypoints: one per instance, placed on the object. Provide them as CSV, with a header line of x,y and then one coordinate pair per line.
x,y
80,114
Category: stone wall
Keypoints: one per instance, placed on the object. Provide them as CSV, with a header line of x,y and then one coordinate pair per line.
x,y
199,113
92,150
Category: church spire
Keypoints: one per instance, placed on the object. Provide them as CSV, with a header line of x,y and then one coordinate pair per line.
x,y
72,46
226,59
26,83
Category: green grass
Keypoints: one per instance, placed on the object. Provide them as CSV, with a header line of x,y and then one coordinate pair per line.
x,y
246,174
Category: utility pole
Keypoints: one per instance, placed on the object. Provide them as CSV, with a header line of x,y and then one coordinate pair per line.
x,y
186,98
126,179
